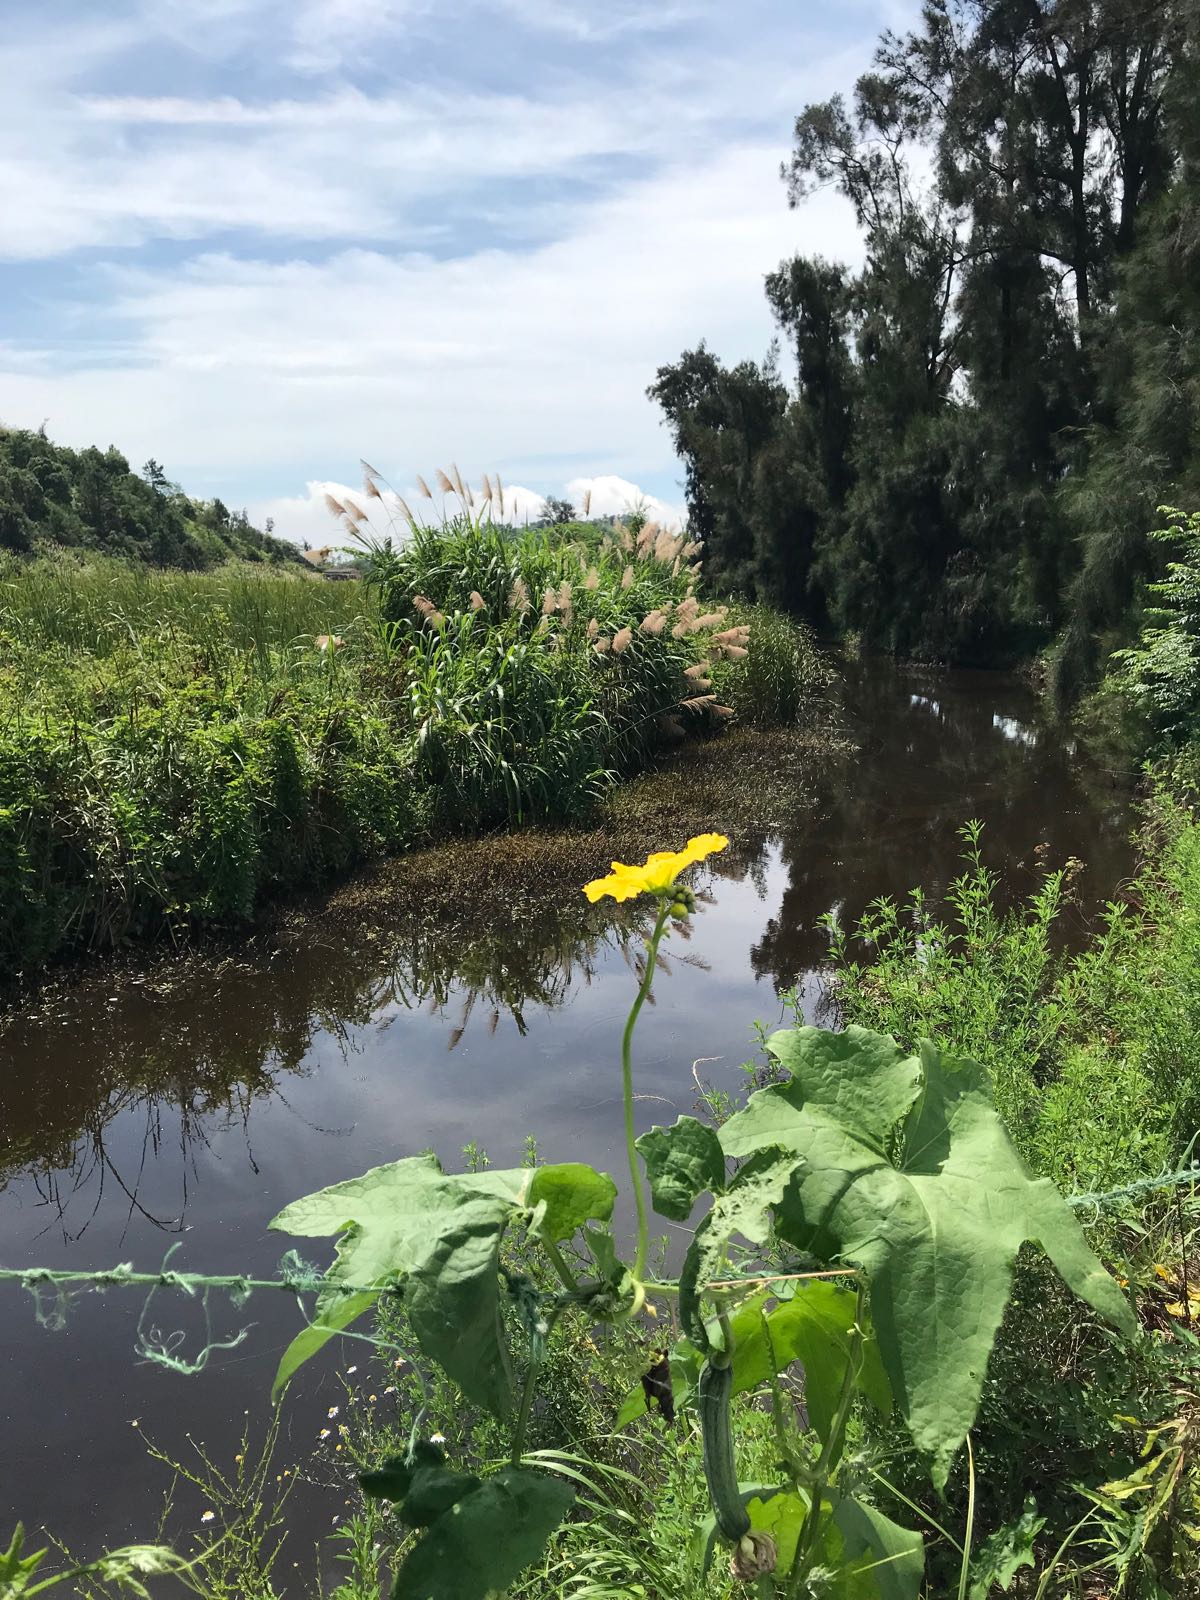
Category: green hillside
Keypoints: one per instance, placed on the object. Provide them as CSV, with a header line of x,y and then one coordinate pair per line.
x,y
51,496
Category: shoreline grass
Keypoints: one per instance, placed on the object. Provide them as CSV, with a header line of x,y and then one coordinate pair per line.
x,y
177,750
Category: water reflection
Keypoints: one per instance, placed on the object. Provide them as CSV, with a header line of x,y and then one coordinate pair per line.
x,y
184,1058
201,1100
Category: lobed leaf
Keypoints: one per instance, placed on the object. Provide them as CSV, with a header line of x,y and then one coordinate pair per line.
x,y
682,1162
909,1174
410,1222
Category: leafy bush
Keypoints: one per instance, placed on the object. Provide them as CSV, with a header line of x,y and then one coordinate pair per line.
x,y
1094,1055
1161,674
1112,1031
176,747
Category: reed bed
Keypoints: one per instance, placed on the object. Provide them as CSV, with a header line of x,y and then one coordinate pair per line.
x,y
177,747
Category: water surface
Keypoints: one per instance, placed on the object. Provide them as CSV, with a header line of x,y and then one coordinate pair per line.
x,y
135,1115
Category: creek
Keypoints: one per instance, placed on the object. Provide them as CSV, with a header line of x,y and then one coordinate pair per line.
x,y
138,1113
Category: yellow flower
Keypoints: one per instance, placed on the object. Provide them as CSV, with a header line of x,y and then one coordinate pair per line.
x,y
657,875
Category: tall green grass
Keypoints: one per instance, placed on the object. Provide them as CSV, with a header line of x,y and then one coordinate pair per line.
x,y
177,747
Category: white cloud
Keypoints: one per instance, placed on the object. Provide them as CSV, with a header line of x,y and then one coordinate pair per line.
x,y
397,263
307,518
535,364
610,496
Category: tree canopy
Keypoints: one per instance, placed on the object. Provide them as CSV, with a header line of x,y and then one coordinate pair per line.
x,y
957,451
51,496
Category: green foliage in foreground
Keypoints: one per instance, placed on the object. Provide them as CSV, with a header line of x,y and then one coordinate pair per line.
x,y
177,748
858,1299
52,498
1161,674
887,1170
1095,1057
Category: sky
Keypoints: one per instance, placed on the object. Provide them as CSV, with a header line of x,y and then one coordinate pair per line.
x,y
260,240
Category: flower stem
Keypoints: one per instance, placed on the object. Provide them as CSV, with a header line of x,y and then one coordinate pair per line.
x,y
635,1171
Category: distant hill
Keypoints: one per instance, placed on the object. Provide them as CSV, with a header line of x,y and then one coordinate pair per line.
x,y
90,499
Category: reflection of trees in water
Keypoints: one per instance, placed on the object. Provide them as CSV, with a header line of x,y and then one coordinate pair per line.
x,y
193,1058
192,1053
934,750
500,970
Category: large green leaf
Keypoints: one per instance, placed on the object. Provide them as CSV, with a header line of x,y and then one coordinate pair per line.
x,y
814,1327
486,1538
440,1236
682,1162
909,1173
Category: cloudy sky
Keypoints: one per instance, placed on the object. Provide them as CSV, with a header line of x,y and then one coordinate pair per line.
x,y
260,239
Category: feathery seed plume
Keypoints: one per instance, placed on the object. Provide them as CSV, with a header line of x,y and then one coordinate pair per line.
x,y
653,623
424,487
622,640
518,598
602,645
592,581
593,628
443,482
476,600
461,489
587,502
666,546
424,605
627,578
334,507
549,603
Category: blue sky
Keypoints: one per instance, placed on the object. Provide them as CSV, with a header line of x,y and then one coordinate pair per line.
x,y
259,239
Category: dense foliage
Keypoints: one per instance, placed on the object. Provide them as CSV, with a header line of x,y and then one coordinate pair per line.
x,y
90,500
956,452
1093,1053
175,748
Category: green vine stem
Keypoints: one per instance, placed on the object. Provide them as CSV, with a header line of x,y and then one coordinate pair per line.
x,y
537,1353
830,1452
635,1170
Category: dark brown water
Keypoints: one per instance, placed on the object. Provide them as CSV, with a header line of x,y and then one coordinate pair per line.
x,y
133,1119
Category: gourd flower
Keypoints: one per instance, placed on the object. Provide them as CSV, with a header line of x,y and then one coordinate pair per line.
x,y
658,872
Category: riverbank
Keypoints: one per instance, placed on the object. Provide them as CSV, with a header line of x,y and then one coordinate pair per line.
x,y
464,993
179,750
